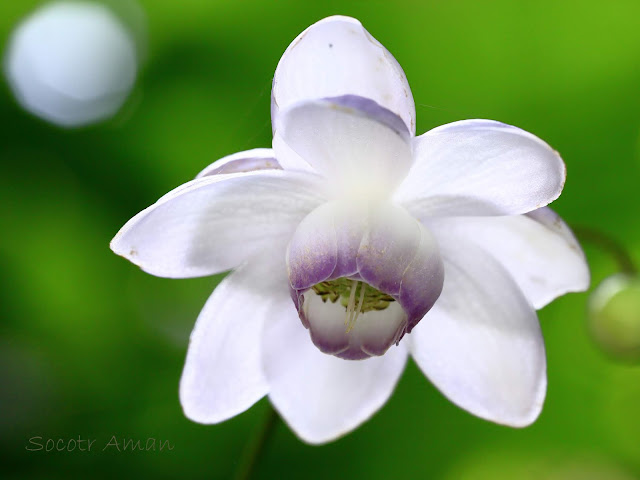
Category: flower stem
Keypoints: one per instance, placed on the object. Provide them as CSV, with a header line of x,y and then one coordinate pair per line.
x,y
610,245
255,447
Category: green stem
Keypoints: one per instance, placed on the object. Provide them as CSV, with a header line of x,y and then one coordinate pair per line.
x,y
255,448
609,244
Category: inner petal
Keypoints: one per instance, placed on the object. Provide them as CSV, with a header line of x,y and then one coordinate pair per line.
x,y
363,149
362,278
352,320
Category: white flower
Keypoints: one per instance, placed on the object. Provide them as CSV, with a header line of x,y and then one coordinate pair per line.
x,y
71,63
364,227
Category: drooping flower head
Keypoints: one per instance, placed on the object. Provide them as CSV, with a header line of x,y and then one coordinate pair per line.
x,y
354,243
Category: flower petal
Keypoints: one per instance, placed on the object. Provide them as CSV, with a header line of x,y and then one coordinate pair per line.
x,y
481,343
390,245
362,148
213,224
480,167
313,251
372,333
248,161
287,158
380,245
325,244
537,249
223,372
337,56
322,397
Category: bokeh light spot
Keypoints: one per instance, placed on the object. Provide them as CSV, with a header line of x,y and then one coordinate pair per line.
x,y
71,63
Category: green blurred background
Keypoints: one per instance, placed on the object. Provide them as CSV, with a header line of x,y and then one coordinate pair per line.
x,y
90,346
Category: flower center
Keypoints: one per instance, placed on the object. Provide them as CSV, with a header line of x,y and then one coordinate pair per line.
x,y
355,296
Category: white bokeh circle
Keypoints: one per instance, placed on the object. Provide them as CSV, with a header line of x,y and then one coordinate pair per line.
x,y
72,63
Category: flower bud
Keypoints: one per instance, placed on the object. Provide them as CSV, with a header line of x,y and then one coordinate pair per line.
x,y
614,314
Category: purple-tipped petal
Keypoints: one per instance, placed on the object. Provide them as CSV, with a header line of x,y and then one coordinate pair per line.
x,y
248,161
400,257
325,321
337,56
381,247
360,147
325,245
369,108
372,335
350,222
388,248
422,280
312,252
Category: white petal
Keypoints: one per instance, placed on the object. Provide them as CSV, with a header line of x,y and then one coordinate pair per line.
x,y
537,249
480,167
352,141
213,224
322,397
337,56
223,372
481,343
248,161
287,158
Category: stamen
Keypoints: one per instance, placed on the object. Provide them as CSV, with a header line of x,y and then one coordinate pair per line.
x,y
360,302
351,306
345,290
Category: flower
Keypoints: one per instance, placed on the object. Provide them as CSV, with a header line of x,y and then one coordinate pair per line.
x,y
346,233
